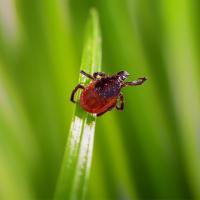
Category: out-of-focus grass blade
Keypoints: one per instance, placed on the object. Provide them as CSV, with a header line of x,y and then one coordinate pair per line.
x,y
146,140
75,168
182,68
17,143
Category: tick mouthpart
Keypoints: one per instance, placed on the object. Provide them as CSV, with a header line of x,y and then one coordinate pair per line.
x,y
123,74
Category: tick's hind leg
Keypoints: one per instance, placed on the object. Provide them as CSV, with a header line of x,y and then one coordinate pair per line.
x,y
139,81
79,86
121,99
87,75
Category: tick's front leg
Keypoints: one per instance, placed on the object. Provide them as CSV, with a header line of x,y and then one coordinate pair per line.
x,y
101,74
121,99
79,86
139,81
87,75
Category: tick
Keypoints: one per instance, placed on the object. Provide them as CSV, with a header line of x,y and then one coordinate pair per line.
x,y
104,92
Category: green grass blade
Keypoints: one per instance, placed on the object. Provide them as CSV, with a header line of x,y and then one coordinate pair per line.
x,y
18,146
182,65
76,165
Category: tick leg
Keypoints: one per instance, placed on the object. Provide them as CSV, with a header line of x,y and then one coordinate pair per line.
x,y
101,74
87,75
79,86
139,81
121,106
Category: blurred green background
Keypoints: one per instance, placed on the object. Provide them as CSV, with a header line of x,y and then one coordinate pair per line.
x,y
149,151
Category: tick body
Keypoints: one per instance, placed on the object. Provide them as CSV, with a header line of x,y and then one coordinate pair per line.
x,y
104,92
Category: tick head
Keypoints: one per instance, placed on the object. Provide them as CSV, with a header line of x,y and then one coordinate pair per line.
x,y
123,75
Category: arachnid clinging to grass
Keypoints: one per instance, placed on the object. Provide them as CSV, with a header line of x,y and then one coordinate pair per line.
x,y
104,92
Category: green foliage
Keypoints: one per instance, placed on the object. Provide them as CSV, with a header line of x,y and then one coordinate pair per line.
x,y
148,151
74,176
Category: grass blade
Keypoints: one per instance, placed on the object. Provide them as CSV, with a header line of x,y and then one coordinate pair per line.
x,y
76,164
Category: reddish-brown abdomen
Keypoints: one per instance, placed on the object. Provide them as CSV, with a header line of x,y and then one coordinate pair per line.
x,y
92,102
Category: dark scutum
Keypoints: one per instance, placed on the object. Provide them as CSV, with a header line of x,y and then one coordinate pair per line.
x,y
108,87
